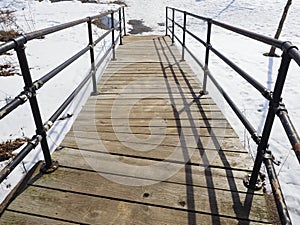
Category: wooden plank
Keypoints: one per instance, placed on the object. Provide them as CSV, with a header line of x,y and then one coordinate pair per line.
x,y
176,101
144,69
167,78
162,131
190,106
85,209
139,83
148,65
172,141
208,157
136,88
142,108
14,217
139,93
183,140
167,114
100,108
154,67
84,124
161,194
108,99
184,123
177,69
96,186
172,138
210,177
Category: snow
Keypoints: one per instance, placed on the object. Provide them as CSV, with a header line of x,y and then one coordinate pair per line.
x,y
258,16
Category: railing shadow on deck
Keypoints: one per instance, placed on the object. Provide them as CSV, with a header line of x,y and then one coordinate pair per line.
x,y
241,209
276,106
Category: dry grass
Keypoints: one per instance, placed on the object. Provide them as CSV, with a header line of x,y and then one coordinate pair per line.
x,y
88,1
8,25
119,2
7,20
6,148
7,35
7,32
7,70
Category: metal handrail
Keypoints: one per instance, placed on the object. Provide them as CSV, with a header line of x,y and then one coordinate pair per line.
x,y
29,93
276,106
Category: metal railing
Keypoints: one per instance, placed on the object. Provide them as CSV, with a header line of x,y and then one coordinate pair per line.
x,y
276,106
29,92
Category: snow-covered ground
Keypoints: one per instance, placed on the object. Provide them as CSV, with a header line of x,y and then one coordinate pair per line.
x,y
256,15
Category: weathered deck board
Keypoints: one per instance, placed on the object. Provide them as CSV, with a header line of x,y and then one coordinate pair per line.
x,y
149,149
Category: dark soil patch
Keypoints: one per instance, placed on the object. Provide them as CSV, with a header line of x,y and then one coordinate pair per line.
x,y
88,1
7,35
138,27
52,1
8,25
118,3
103,23
7,70
6,148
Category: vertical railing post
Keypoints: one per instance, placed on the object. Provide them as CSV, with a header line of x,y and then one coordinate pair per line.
x,y
49,165
173,25
263,154
261,149
92,57
113,44
124,21
208,45
120,25
183,36
167,21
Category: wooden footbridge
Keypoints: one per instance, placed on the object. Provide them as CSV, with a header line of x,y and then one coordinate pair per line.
x,y
148,149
